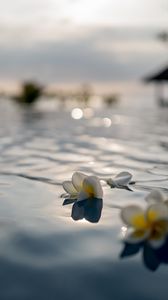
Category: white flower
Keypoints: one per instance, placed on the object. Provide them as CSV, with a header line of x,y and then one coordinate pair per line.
x,y
73,187
82,187
122,180
150,224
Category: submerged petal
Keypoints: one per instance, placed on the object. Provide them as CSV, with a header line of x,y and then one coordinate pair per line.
x,y
92,187
69,187
155,196
77,180
133,215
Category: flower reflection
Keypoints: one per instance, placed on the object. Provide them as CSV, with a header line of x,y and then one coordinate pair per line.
x,y
88,209
86,193
152,258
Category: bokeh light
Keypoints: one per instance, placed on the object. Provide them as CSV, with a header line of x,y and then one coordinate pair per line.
x,y
77,113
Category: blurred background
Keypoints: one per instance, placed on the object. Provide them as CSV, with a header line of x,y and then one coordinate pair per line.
x,y
63,45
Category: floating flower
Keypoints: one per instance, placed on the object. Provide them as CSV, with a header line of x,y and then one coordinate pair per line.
x,y
73,187
121,181
86,193
150,224
82,187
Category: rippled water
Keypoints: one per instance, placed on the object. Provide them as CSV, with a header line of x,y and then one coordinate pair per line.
x,y
44,254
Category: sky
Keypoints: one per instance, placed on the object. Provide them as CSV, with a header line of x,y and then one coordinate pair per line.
x,y
70,42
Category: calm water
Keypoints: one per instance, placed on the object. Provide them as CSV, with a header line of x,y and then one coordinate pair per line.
x,y
46,255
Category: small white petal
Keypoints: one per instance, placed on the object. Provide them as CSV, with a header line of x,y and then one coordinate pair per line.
x,y
69,187
157,211
155,196
64,195
111,183
92,186
77,180
134,216
122,179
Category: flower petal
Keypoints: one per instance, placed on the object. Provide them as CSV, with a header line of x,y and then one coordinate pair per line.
x,y
77,180
133,215
68,201
82,196
157,211
111,183
136,236
92,187
122,179
69,187
155,196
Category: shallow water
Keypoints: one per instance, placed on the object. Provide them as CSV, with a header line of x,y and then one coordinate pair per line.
x,y
44,254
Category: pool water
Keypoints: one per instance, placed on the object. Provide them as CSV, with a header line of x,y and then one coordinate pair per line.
x,y
44,253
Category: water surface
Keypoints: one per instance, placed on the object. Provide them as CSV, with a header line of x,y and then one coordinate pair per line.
x,y
46,255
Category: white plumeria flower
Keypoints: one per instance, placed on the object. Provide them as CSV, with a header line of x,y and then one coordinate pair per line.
x,y
121,180
73,187
82,187
150,224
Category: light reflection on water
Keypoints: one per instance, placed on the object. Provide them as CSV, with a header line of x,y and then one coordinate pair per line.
x,y
44,254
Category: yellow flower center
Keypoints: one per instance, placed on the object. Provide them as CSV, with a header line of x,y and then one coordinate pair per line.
x,y
152,215
89,189
157,228
139,222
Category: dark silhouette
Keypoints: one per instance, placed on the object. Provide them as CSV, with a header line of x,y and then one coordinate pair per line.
x,y
84,94
110,99
152,258
163,36
159,78
30,92
89,209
